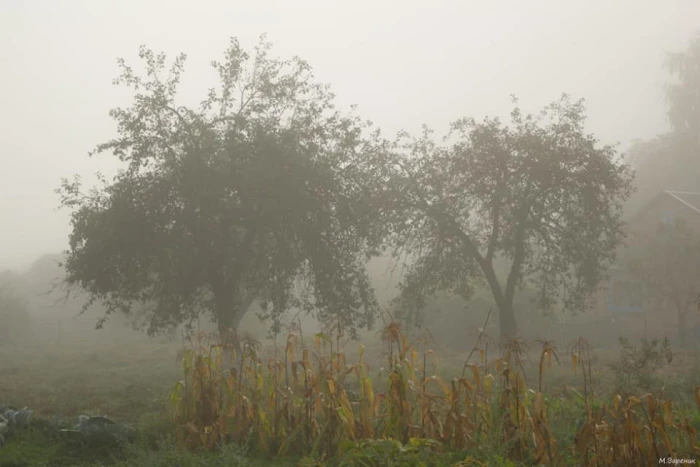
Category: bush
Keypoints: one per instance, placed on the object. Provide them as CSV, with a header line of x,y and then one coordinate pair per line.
x,y
637,367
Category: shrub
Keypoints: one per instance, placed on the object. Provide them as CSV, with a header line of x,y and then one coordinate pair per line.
x,y
637,367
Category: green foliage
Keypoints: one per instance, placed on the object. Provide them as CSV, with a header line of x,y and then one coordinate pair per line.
x,y
669,161
637,367
229,203
537,201
683,93
391,453
39,446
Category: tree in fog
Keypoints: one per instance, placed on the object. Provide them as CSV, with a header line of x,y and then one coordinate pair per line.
x,y
683,93
672,161
255,195
666,270
540,196
657,166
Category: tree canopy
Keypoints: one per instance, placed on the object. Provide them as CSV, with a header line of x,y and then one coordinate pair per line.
x,y
536,201
671,161
683,92
255,195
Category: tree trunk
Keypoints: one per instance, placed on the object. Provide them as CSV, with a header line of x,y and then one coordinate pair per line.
x,y
504,302
508,324
506,315
230,311
227,320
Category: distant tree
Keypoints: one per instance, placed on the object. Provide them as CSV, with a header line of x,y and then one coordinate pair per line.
x,y
539,201
666,269
658,166
672,161
683,92
255,195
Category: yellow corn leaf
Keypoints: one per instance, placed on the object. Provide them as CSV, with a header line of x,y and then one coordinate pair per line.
x,y
443,385
520,382
477,378
668,412
295,376
633,400
651,405
368,392
377,402
290,351
467,385
538,405
616,402
192,428
660,430
488,382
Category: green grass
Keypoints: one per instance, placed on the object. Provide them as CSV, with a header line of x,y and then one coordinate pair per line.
x,y
32,449
128,382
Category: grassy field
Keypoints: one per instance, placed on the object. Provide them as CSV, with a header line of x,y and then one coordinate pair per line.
x,y
132,382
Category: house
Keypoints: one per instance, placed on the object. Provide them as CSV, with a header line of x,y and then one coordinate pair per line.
x,y
612,298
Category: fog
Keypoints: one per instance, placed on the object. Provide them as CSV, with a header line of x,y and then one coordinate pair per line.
x,y
420,62
517,228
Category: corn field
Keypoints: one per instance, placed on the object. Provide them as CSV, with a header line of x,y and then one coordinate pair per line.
x,y
298,403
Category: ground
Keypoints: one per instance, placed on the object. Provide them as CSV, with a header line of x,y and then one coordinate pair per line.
x,y
130,382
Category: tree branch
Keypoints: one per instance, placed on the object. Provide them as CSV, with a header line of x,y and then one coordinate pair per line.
x,y
519,256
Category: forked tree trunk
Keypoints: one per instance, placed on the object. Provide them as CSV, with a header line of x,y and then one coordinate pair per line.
x,y
229,314
504,302
227,324
508,324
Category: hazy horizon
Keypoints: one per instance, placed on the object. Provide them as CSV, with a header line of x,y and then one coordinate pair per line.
x,y
403,65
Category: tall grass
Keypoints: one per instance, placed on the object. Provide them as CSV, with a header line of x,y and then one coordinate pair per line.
x,y
297,402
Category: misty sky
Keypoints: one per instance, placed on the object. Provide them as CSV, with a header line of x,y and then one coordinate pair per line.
x,y
403,62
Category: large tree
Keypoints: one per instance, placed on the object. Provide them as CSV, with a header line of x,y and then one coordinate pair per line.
x,y
255,195
539,200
